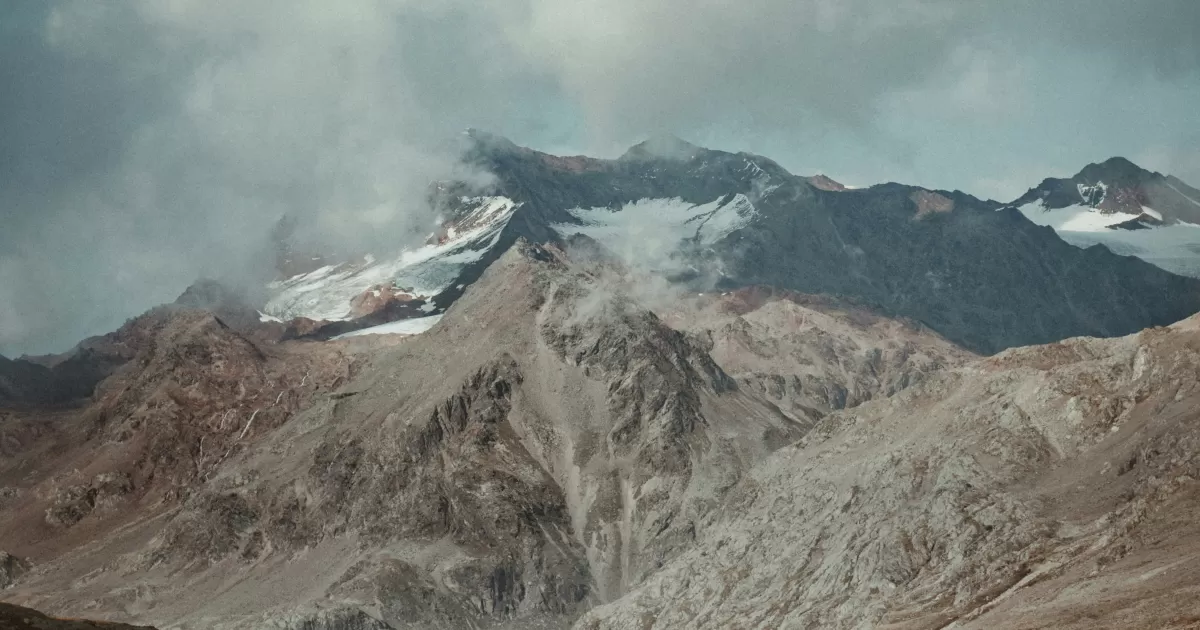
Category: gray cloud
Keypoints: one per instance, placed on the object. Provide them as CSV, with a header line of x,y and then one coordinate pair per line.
x,y
152,142
143,143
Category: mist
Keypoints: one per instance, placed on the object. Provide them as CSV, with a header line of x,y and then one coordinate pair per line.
x,y
146,143
214,121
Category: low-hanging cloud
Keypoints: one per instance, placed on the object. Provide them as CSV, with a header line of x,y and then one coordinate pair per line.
x,y
146,142
198,125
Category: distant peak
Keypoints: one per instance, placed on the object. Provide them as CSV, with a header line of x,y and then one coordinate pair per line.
x,y
662,146
1114,170
1118,162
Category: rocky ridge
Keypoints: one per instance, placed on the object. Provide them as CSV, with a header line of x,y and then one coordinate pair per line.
x,y
984,275
1041,488
979,274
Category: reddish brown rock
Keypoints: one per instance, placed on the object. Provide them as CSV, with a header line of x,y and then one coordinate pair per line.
x,y
929,202
378,298
825,183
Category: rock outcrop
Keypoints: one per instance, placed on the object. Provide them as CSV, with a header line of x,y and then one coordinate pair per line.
x,y
11,569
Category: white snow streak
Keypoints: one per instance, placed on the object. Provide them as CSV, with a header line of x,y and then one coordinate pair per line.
x,y
1172,186
325,294
413,326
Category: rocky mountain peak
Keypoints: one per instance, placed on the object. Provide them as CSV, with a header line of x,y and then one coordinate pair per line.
x,y
1115,171
1117,185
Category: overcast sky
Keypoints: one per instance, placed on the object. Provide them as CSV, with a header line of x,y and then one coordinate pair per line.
x,y
146,142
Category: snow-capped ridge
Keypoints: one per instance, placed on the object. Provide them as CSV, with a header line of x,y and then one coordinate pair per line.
x,y
326,293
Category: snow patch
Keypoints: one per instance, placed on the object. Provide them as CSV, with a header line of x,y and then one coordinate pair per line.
x,y
413,326
325,294
662,223
1175,247
1092,195
1152,212
1073,218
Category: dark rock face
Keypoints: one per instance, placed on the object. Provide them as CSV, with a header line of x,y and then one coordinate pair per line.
x,y
987,280
20,618
22,381
983,278
11,568
70,378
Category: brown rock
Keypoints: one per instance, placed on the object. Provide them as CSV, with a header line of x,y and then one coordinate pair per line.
x,y
929,202
379,298
825,183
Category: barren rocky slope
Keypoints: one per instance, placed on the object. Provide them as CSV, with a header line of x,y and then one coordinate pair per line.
x,y
811,354
554,454
1046,487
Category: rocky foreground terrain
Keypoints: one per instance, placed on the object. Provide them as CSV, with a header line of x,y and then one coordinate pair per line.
x,y
557,454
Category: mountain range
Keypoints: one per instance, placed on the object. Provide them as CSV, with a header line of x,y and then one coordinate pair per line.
x,y
974,270
683,388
